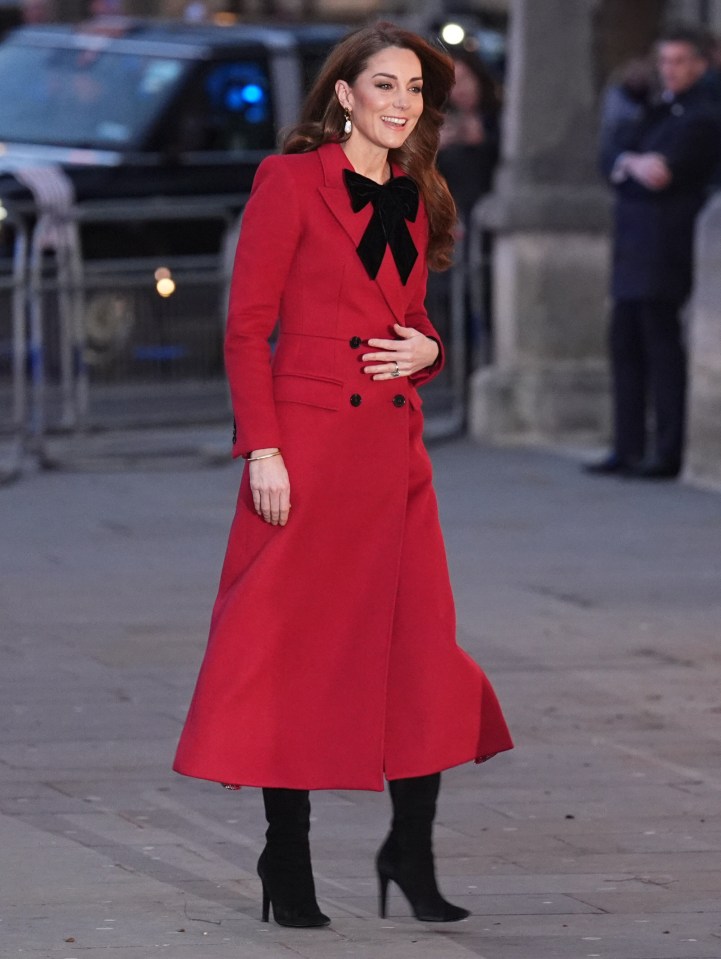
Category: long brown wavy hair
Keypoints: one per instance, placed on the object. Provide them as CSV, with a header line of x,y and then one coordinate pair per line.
x,y
322,121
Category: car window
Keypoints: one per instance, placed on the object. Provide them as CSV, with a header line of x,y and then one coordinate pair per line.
x,y
84,98
238,106
226,106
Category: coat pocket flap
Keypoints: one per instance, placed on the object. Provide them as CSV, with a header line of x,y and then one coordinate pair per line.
x,y
311,390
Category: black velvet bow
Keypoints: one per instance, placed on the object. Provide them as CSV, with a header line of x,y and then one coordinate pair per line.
x,y
393,202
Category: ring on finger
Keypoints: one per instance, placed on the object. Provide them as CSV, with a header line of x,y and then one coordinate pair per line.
x,y
397,370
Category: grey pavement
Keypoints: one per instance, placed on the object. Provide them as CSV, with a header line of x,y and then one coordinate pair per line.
x,y
594,605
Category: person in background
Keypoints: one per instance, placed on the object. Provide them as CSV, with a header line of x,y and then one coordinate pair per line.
x,y
625,101
467,159
469,136
660,167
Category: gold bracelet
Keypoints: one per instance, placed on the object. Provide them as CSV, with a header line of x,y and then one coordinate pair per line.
x,y
265,456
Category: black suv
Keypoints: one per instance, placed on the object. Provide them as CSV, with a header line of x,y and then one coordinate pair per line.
x,y
148,109
160,127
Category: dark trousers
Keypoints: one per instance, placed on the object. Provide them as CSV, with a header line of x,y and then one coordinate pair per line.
x,y
648,362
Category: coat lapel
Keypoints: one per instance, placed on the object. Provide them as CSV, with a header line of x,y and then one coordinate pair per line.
x,y
335,194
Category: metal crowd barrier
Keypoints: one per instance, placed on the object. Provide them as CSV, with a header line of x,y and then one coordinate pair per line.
x,y
479,263
153,325
104,348
13,353
444,397
458,304
106,357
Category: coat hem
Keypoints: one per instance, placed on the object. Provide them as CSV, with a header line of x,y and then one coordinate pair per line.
x,y
378,786
476,760
250,783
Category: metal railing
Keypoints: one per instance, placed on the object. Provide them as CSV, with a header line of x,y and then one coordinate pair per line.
x,y
102,346
459,305
94,345
14,354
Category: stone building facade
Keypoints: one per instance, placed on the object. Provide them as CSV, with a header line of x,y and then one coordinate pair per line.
x,y
550,216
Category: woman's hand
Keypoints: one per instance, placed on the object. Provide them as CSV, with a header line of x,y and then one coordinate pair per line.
x,y
411,352
270,487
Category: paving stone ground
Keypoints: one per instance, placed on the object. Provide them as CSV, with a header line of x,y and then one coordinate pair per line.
x,y
594,605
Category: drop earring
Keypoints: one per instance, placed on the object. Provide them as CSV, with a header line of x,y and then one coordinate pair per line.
x,y
348,125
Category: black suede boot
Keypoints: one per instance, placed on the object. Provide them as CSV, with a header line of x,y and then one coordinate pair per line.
x,y
406,857
284,865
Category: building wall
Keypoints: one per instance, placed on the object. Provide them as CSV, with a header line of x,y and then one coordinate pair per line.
x,y
707,12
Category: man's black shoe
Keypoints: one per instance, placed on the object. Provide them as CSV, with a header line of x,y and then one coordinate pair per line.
x,y
612,465
656,470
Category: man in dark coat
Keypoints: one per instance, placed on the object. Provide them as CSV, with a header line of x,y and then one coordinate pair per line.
x,y
661,166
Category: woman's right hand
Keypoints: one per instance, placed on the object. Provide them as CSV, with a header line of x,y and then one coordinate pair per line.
x,y
270,487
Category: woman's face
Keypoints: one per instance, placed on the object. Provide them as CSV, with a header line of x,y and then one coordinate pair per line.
x,y
466,94
386,99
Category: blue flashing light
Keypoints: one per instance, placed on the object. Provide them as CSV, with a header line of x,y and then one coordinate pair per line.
x,y
252,93
248,97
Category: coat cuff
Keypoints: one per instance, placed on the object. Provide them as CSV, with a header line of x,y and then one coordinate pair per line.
x,y
243,443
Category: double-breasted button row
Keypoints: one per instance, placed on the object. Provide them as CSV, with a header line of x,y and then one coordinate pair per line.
x,y
399,400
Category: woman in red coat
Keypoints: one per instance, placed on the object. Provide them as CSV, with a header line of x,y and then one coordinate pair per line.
x,y
332,660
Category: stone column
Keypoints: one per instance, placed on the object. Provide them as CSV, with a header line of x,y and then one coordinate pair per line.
x,y
703,457
550,216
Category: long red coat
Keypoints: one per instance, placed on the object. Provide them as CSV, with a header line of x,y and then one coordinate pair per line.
x,y
332,657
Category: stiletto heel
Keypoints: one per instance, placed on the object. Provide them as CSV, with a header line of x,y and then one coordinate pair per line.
x,y
284,866
293,901
382,895
266,904
415,877
406,857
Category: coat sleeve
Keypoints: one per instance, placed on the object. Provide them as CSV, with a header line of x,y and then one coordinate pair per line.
x,y
618,136
269,235
417,318
694,154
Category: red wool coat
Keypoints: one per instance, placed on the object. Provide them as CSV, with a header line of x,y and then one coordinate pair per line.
x,y
332,658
